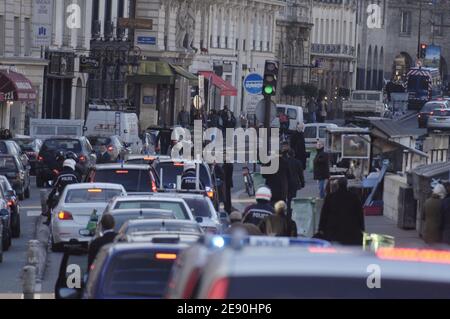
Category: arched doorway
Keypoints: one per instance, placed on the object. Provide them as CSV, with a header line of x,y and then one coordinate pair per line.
x,y
79,105
402,63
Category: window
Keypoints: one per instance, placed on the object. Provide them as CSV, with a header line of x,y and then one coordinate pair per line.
x,y
2,35
405,22
310,132
27,35
16,36
438,21
292,114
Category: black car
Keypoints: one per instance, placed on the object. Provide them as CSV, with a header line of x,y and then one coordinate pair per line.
x,y
47,166
17,175
5,228
10,147
9,195
31,147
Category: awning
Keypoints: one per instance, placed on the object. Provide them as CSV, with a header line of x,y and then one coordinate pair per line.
x,y
226,89
153,72
15,87
184,73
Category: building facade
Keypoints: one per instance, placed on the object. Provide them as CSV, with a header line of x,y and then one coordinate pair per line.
x,y
21,67
334,42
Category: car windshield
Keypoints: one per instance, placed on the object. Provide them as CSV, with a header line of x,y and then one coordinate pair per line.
x,y
8,164
137,274
199,207
176,207
432,106
26,144
133,180
172,170
166,227
121,218
310,132
62,145
95,195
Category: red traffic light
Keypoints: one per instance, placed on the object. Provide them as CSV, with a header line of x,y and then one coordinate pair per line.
x,y
423,46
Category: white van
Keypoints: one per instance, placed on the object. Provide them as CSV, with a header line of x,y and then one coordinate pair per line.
x,y
294,113
108,123
315,132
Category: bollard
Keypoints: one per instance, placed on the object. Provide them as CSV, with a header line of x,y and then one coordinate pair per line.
x,y
29,282
44,195
33,253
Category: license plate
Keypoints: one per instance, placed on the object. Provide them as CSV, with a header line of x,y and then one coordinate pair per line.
x,y
276,241
442,119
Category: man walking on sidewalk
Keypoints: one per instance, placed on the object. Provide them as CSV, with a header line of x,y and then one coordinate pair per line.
x,y
321,168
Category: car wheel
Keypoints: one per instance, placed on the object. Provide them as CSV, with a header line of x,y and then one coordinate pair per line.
x,y
39,181
27,192
15,231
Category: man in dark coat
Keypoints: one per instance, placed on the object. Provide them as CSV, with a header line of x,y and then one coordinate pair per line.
x,y
321,168
108,234
342,217
445,217
298,144
103,157
228,185
296,179
278,182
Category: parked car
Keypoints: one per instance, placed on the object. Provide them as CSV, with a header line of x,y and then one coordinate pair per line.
x,y
294,114
148,144
17,175
10,147
75,208
130,271
137,179
47,163
439,119
9,194
116,148
5,217
427,110
31,147
315,132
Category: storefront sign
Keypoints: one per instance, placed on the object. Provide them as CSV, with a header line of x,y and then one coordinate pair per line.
x,y
146,40
148,100
42,18
88,64
127,23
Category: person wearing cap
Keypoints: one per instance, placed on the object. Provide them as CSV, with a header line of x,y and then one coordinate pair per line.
x,y
66,177
189,177
236,223
432,213
321,168
255,213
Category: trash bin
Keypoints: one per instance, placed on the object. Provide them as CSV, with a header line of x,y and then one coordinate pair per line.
x,y
306,214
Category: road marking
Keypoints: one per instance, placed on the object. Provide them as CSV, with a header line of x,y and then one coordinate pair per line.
x,y
30,207
34,213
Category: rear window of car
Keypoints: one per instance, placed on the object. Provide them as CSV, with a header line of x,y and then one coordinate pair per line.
x,y
176,207
62,145
172,170
133,180
310,132
428,107
199,207
97,141
291,287
137,274
92,196
8,164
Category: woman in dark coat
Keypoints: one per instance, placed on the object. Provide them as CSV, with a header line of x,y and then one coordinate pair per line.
x,y
321,168
342,217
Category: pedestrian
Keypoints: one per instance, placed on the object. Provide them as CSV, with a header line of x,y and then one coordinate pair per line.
x,y
297,144
321,110
213,119
432,214
108,235
279,224
236,223
445,216
164,139
342,217
296,179
189,177
278,181
321,168
103,156
184,118
255,213
228,185
311,107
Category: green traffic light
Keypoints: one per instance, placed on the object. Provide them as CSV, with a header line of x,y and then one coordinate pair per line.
x,y
268,89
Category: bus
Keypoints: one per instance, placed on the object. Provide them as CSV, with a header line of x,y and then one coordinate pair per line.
x,y
423,85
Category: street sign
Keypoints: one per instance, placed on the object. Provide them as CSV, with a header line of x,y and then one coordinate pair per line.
x,y
127,23
253,83
42,22
89,64
146,40
197,101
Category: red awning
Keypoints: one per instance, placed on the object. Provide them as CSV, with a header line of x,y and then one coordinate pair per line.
x,y
15,87
226,89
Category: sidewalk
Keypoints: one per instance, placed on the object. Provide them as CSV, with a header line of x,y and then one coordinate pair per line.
x,y
374,224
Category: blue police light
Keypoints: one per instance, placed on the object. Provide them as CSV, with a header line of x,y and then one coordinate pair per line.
x,y
218,241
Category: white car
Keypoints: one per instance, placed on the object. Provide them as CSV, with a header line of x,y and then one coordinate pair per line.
x,y
75,207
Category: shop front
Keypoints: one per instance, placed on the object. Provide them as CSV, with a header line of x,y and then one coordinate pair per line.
x,y
18,100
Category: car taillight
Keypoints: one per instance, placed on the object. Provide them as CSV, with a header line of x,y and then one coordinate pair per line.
x,y
210,194
110,148
219,289
40,158
154,188
63,215
10,203
419,116
82,158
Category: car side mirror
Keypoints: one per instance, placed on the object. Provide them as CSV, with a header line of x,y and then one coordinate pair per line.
x,y
4,212
69,293
199,220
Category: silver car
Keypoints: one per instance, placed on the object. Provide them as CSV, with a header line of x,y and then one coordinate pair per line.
x,y
439,119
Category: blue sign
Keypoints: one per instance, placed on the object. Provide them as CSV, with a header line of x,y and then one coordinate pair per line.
x,y
146,40
253,83
148,100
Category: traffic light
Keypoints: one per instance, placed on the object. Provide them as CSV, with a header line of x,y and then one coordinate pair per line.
x,y
270,78
423,51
